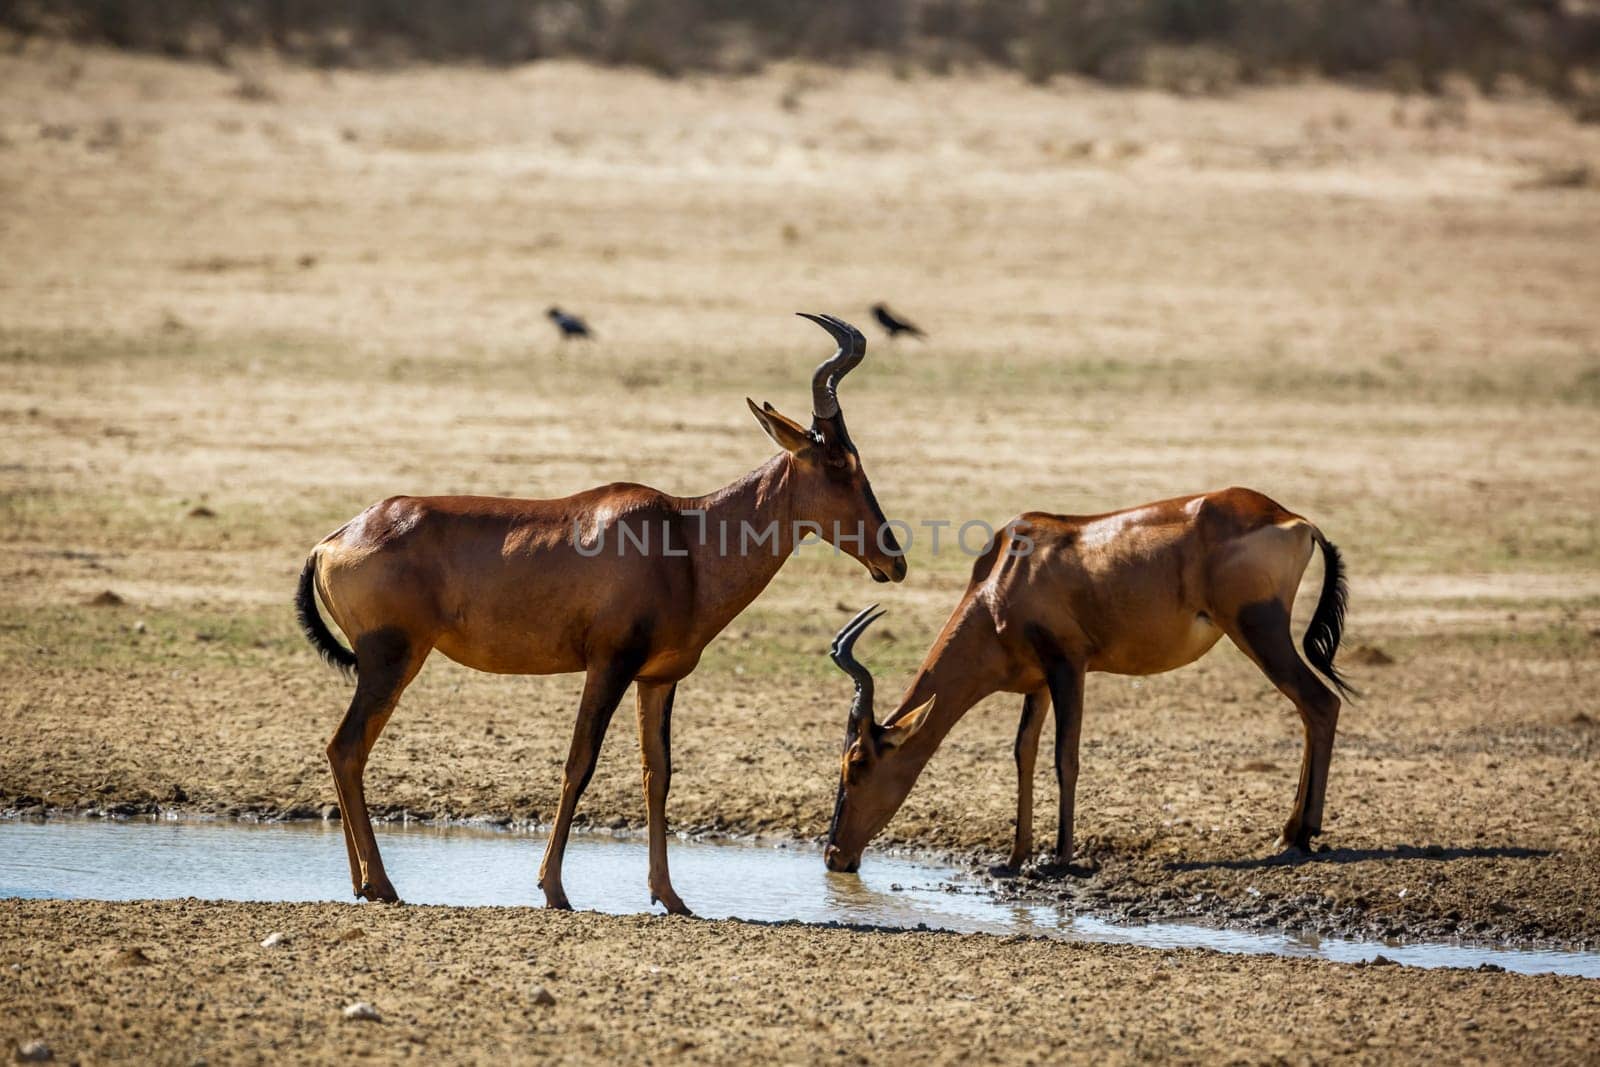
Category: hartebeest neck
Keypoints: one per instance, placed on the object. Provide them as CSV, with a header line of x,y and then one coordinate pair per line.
x,y
748,534
959,670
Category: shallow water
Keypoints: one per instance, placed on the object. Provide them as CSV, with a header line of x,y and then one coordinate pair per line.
x,y
163,859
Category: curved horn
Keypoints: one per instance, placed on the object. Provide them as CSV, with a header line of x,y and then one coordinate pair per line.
x,y
843,655
825,380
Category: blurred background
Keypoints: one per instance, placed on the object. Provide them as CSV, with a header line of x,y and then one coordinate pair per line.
x,y
1185,45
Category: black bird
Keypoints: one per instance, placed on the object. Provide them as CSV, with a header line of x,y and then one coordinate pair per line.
x,y
894,326
570,325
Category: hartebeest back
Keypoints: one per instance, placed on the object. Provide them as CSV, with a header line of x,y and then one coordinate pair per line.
x,y
622,582
1135,592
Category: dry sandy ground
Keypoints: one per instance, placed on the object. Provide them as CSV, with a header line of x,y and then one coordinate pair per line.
x,y
185,981
228,323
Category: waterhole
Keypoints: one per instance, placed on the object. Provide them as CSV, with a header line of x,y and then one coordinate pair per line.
x,y
148,859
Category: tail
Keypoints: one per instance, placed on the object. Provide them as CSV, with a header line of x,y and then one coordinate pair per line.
x,y
305,609
1321,642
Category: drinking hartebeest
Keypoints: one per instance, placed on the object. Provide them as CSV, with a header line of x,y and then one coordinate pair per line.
x,y
534,587
1140,591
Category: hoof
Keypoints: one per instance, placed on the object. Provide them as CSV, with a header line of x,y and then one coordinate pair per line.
x,y
1298,844
555,897
1005,870
673,905
378,894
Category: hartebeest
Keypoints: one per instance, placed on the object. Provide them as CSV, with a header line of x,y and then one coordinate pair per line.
x,y
1137,592
552,586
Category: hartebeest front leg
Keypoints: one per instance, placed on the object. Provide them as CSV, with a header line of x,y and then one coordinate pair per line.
x,y
388,660
655,753
1026,752
1065,681
603,687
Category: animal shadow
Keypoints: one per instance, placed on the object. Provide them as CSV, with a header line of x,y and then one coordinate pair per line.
x,y
1297,857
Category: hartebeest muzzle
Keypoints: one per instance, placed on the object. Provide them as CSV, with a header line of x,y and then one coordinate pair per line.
x,y
838,862
896,571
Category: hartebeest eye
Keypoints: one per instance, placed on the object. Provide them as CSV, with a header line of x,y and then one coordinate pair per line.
x,y
855,763
840,465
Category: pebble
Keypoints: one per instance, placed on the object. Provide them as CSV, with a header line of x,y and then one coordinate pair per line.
x,y
274,939
1380,960
540,995
34,1052
361,1010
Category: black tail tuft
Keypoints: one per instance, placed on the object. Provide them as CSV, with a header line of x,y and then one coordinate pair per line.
x,y
305,609
1321,642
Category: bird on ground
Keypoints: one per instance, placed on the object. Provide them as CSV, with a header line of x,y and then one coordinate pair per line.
x,y
570,325
894,326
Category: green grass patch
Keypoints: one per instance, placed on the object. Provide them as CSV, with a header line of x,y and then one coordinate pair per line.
x,y
674,369
1557,641
132,638
128,519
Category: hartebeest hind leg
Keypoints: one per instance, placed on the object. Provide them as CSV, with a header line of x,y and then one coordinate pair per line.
x,y
1262,632
603,687
388,661
1065,680
1026,752
655,753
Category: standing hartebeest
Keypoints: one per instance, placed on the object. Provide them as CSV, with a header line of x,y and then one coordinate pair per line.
x,y
1140,591
535,587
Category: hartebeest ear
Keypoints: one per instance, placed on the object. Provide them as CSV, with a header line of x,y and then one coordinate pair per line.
x,y
902,731
790,435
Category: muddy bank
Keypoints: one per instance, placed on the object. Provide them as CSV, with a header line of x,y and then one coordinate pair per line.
x,y
181,981
1339,892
